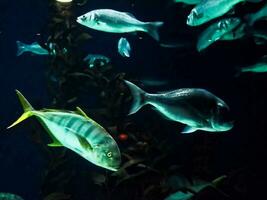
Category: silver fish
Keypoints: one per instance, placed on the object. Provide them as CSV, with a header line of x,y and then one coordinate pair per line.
x,y
33,48
124,47
197,108
113,21
96,59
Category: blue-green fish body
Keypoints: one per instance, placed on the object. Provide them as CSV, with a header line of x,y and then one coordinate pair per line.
x,y
9,196
96,59
77,132
235,34
113,21
261,14
34,48
259,67
216,31
189,2
207,10
197,108
124,47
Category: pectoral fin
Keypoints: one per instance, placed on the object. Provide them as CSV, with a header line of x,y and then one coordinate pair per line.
x,y
55,142
84,143
189,129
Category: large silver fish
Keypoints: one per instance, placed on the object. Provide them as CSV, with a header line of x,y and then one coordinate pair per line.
x,y
77,132
113,21
197,108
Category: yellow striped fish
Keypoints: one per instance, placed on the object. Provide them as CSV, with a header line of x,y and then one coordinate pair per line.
x,y
77,132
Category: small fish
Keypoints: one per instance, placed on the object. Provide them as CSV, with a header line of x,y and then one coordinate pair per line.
x,y
77,132
34,48
237,33
261,14
215,31
96,60
113,21
260,37
197,108
259,67
189,2
124,47
207,10
9,196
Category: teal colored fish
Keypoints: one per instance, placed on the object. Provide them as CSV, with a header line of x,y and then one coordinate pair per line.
x,y
9,196
254,17
216,31
77,132
197,108
259,67
34,48
235,34
113,21
96,60
189,2
124,47
207,10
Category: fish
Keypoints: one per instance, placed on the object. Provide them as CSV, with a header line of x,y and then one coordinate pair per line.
x,y
187,189
124,47
113,21
235,34
189,2
77,132
96,60
259,67
254,17
215,31
207,10
36,48
64,1
9,196
197,108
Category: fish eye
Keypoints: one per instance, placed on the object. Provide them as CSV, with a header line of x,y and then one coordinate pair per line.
x,y
83,18
109,154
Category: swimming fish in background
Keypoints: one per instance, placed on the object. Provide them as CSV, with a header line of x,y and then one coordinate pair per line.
x,y
207,10
261,14
197,108
189,2
77,132
34,48
113,21
124,47
259,67
9,196
96,60
215,31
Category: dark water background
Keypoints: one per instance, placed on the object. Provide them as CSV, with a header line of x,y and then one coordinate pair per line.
x,y
21,161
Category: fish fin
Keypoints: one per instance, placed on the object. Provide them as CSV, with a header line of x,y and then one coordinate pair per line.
x,y
28,109
84,143
20,48
130,14
81,112
189,129
138,96
152,28
55,143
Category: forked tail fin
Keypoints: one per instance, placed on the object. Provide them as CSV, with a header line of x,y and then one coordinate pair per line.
x,y
21,48
138,97
28,109
152,28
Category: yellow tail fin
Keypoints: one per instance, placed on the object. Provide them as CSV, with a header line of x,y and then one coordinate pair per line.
x,y
28,109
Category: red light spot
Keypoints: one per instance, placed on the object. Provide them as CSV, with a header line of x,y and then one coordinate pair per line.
x,y
123,136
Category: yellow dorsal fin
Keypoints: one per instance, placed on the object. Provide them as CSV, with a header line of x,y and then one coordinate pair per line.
x,y
81,112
